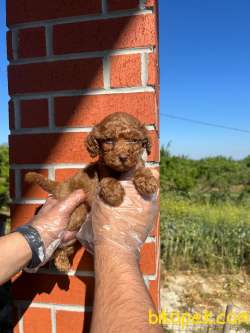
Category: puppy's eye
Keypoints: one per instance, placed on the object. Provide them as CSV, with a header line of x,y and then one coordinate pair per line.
x,y
109,142
133,141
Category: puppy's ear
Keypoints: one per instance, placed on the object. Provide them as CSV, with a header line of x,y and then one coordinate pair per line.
x,y
92,144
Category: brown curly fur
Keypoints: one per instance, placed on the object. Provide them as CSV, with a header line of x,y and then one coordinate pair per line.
x,y
119,140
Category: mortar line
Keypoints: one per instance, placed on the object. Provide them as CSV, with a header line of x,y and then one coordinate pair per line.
x,y
143,70
65,307
53,319
20,321
146,281
45,130
151,277
106,71
51,113
81,18
142,4
76,308
15,43
28,201
17,184
104,7
46,166
49,40
146,64
150,239
81,55
69,273
60,166
51,173
152,164
84,92
17,116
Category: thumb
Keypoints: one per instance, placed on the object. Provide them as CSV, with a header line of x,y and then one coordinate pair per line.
x,y
74,199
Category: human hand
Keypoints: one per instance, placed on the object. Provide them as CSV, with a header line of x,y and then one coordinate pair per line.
x,y
52,220
126,226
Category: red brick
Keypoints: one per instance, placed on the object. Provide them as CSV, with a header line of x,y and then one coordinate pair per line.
x,y
58,148
32,43
54,289
154,290
12,183
37,320
121,4
122,32
148,259
11,115
152,69
56,75
21,213
78,321
30,191
62,174
9,45
89,110
48,148
19,11
125,71
34,113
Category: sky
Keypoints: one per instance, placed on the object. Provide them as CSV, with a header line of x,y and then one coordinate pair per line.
x,y
204,75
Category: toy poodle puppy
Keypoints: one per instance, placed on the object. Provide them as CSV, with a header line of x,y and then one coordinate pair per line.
x,y
119,141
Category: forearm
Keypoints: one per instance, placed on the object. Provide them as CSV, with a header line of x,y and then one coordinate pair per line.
x,y
121,301
15,253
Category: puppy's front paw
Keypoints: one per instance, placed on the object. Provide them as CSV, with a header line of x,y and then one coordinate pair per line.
x,y
145,182
111,191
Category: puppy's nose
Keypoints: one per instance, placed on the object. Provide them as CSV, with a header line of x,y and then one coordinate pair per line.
x,y
123,157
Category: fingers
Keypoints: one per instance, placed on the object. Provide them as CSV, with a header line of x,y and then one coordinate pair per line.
x,y
50,203
68,204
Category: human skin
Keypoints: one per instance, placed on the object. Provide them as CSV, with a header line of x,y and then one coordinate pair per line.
x,y
15,253
50,222
121,301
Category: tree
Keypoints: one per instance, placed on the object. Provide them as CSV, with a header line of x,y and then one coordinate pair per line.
x,y
4,175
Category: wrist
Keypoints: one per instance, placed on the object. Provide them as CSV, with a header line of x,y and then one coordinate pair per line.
x,y
111,261
109,250
35,243
18,238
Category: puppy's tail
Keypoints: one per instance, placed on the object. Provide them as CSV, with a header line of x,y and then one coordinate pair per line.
x,y
46,184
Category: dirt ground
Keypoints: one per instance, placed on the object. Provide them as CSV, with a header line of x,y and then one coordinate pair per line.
x,y
199,291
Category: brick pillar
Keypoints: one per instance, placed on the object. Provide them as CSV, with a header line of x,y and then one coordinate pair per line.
x,y
71,64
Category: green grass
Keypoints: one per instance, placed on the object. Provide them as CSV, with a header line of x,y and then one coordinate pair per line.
x,y
204,236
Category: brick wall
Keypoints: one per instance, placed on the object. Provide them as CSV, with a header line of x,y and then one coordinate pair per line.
x,y
71,64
